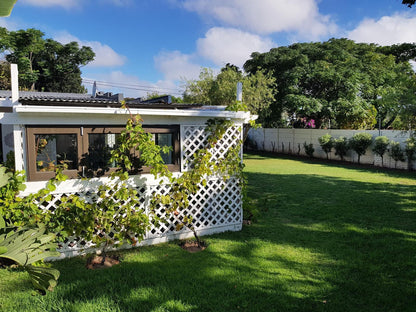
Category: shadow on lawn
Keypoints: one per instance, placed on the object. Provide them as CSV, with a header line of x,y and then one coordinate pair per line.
x,y
322,244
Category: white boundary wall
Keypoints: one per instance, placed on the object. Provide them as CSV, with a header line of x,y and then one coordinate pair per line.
x,y
290,141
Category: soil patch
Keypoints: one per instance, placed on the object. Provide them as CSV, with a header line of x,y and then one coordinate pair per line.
x,y
192,246
96,262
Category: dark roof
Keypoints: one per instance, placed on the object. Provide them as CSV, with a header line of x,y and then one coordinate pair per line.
x,y
77,99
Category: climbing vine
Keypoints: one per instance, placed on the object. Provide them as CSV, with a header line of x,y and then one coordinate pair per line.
x,y
115,213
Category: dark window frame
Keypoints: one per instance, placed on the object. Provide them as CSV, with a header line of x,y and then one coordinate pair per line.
x,y
82,146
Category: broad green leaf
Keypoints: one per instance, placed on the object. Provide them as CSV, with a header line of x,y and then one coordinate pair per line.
x,y
6,7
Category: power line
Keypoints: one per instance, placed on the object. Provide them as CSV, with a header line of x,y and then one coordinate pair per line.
x,y
133,86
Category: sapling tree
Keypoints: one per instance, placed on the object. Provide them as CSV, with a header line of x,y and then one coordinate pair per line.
x,y
360,142
309,149
341,147
396,152
410,150
327,143
381,144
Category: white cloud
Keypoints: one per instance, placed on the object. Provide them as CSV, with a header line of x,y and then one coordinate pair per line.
x,y
229,45
176,66
50,3
105,56
266,16
388,30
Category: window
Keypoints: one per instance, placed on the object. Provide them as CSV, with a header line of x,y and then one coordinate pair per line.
x,y
86,151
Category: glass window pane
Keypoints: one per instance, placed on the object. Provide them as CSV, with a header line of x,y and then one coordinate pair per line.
x,y
98,157
165,139
52,150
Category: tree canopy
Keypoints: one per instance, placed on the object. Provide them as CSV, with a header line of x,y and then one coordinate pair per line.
x,y
45,64
409,3
337,83
221,89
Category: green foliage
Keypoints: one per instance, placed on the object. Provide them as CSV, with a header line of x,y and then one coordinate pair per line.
x,y
221,89
327,143
27,246
410,150
337,82
341,147
396,152
309,149
176,202
115,217
45,64
360,142
381,144
6,7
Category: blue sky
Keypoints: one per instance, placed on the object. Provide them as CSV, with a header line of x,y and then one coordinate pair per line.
x,y
154,45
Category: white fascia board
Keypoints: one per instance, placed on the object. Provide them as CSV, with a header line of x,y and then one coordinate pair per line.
x,y
59,110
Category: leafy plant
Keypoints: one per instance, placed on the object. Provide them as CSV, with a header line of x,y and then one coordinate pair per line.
x,y
360,142
26,246
327,143
341,147
381,144
309,150
396,152
410,150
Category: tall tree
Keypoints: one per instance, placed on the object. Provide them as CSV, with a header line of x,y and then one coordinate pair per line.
x,y
45,64
338,82
221,89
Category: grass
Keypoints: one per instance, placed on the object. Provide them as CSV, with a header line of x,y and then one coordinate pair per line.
x,y
329,238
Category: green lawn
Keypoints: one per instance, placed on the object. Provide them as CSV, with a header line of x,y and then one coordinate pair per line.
x,y
329,238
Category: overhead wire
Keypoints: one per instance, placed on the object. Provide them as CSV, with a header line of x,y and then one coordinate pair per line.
x,y
133,86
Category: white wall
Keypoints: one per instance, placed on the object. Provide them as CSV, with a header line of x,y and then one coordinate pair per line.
x,y
290,141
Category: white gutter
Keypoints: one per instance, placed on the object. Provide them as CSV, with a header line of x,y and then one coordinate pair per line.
x,y
65,110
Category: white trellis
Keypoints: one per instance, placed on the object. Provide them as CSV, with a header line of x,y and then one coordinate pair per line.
x,y
217,206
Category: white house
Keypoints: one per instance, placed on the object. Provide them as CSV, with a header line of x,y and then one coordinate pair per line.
x,y
81,129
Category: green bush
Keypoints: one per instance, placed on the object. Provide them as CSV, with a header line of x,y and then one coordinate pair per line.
x,y
341,147
360,142
410,150
381,144
396,152
309,150
327,143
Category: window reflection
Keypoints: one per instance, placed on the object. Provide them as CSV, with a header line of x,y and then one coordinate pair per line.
x,y
165,139
57,149
97,160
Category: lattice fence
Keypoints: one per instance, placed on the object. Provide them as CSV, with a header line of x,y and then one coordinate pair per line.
x,y
215,208
194,138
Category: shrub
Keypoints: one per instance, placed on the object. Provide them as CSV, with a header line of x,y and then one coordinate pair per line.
x,y
410,150
381,144
360,142
341,147
327,143
396,152
309,150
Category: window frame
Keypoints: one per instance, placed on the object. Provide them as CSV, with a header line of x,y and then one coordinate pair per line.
x,y
82,133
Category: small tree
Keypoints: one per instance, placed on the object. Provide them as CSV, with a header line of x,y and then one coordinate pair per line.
x,y
341,147
309,150
410,150
381,144
396,152
327,143
360,142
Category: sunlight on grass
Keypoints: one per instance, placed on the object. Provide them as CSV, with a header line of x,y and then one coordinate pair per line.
x,y
328,238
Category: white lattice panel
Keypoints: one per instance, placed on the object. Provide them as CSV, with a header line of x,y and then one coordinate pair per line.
x,y
194,138
215,208
217,204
